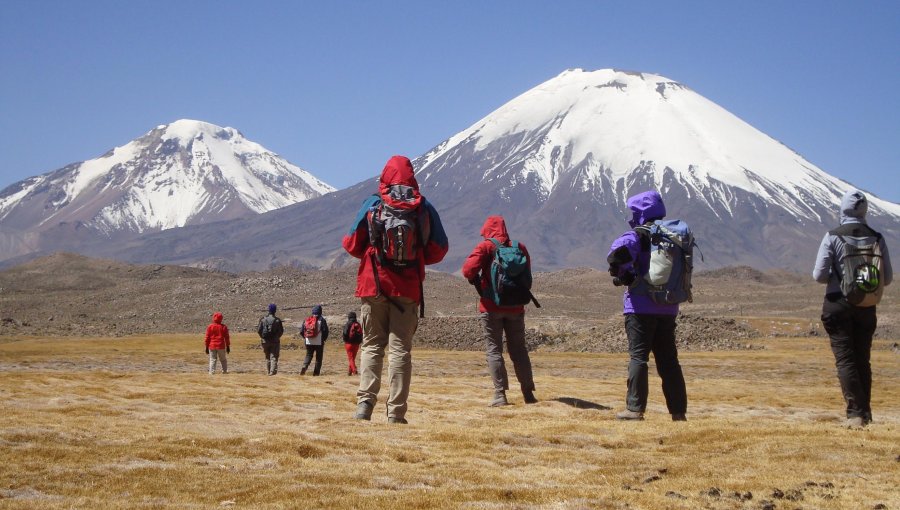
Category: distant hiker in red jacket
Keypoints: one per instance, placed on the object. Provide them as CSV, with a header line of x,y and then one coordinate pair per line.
x,y
499,318
353,336
218,343
395,235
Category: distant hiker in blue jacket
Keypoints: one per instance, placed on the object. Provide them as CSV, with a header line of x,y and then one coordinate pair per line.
x,y
853,261
650,326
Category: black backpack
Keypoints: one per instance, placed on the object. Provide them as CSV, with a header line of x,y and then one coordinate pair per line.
x,y
267,329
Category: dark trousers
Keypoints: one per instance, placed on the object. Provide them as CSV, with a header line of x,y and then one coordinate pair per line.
x,y
319,350
851,329
656,334
513,324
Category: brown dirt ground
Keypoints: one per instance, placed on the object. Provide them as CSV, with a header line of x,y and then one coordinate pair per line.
x,y
70,295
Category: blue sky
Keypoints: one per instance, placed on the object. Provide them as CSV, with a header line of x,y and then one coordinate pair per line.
x,y
336,87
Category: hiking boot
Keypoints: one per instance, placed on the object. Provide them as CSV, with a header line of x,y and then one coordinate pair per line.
x,y
363,411
856,422
679,417
630,415
303,370
529,397
499,399
393,419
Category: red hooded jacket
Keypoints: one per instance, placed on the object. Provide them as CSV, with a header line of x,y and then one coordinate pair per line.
x,y
398,170
217,334
478,263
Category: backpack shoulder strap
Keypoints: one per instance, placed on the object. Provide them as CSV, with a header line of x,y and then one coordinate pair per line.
x,y
644,233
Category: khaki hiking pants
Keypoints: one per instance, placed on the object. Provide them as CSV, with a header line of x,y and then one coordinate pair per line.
x,y
217,354
385,327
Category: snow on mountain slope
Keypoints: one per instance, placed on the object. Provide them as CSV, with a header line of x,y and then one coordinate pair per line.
x,y
608,123
182,173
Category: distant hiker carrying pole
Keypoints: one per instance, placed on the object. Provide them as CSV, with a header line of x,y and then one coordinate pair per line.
x,y
500,270
653,261
270,329
395,234
853,261
218,343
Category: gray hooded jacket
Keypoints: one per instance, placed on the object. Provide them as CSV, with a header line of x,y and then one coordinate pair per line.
x,y
853,210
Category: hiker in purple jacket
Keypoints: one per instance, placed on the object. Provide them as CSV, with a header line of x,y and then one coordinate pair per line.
x,y
650,326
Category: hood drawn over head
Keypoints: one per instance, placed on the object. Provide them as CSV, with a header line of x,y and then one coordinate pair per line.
x,y
399,171
854,206
217,318
646,206
317,310
495,227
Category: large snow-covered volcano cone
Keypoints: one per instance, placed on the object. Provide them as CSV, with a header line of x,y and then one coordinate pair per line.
x,y
560,160
184,173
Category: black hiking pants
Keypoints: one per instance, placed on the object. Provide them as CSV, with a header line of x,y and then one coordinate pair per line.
x,y
656,334
318,350
851,329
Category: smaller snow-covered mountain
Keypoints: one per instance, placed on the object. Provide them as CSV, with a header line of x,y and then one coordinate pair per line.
x,y
184,173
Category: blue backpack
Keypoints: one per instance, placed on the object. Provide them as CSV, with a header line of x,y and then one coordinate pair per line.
x,y
510,276
668,278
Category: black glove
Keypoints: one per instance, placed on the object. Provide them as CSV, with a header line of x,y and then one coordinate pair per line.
x,y
228,350
207,350
626,279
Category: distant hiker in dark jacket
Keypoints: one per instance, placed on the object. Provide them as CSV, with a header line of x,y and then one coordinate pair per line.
x,y
848,314
314,331
650,326
496,319
270,330
218,343
353,336
390,292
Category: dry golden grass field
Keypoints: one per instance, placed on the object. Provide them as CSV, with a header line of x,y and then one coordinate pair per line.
x,y
136,422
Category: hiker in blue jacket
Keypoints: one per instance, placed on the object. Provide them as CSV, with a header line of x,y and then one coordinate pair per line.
x,y
851,325
650,326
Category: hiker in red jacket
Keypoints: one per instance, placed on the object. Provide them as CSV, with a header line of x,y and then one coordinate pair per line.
x,y
396,233
218,343
353,337
496,319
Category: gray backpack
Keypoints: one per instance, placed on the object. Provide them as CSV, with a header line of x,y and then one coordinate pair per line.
x,y
861,267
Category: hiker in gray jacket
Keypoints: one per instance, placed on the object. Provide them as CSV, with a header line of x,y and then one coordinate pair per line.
x,y
853,261
270,330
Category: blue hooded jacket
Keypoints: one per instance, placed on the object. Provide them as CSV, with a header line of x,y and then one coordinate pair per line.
x,y
644,207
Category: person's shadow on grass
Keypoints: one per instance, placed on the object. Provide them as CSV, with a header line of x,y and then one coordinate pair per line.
x,y
581,404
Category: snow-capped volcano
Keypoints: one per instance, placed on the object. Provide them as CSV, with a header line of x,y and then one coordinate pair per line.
x,y
607,124
560,160
186,172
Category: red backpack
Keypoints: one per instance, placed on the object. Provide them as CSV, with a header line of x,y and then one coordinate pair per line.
x,y
311,326
355,334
